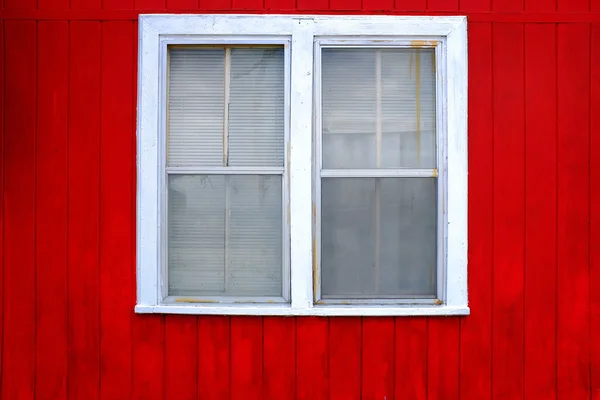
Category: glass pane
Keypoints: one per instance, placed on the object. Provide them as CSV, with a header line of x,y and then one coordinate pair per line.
x,y
378,108
378,237
196,107
256,108
225,235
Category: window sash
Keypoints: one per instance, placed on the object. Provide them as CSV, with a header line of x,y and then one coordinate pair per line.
x,y
439,173
165,171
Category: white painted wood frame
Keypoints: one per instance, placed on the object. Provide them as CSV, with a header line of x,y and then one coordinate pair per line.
x,y
300,34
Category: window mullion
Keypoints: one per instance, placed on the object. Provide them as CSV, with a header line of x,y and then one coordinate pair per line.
x,y
379,139
301,105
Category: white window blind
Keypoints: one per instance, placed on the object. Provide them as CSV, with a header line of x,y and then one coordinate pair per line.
x,y
378,235
226,127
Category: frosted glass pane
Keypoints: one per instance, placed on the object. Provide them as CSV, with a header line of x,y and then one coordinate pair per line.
x,y
390,92
358,260
256,108
225,235
196,107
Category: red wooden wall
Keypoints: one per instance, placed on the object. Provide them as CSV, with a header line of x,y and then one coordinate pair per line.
x,y
68,232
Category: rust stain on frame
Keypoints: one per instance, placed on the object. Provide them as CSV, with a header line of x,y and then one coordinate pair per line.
x,y
438,302
315,275
423,43
188,300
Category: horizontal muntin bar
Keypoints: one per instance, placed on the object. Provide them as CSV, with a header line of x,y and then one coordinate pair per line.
x,y
224,170
379,173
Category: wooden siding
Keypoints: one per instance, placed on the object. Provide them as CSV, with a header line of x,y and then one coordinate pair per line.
x,y
68,231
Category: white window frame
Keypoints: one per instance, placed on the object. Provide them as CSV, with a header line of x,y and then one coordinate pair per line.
x,y
305,33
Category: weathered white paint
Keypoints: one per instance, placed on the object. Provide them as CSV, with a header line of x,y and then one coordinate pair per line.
x,y
158,30
286,310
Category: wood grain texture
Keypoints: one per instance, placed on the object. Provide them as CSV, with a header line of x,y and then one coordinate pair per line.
x,y
595,210
345,343
117,274
377,358
19,335
476,331
246,358
411,358
509,212
312,358
573,211
181,357
51,210
540,211
214,355
84,211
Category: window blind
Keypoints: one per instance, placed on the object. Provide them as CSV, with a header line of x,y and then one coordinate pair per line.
x,y
225,230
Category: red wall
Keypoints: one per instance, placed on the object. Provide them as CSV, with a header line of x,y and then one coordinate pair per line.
x,y
68,228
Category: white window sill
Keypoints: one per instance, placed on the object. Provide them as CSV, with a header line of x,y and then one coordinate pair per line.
x,y
286,310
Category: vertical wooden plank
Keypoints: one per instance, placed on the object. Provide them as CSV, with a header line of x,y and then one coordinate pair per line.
x,y
2,170
410,5
207,5
247,4
339,5
277,4
150,4
53,4
476,330
573,211
181,357
177,5
86,4
312,4
18,358
116,197
594,7
83,211
148,358
476,6
595,210
312,358
20,4
411,358
118,4
573,5
540,211
442,5
509,5
378,5
442,358
377,358
509,218
51,210
213,357
246,358
540,5
345,341
279,358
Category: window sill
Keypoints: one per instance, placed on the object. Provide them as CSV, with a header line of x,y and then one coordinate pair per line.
x,y
286,310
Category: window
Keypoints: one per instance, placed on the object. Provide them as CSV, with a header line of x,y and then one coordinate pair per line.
x,y
302,165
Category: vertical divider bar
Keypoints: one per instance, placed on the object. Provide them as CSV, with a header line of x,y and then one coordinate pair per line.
x,y
301,99
226,280
378,138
